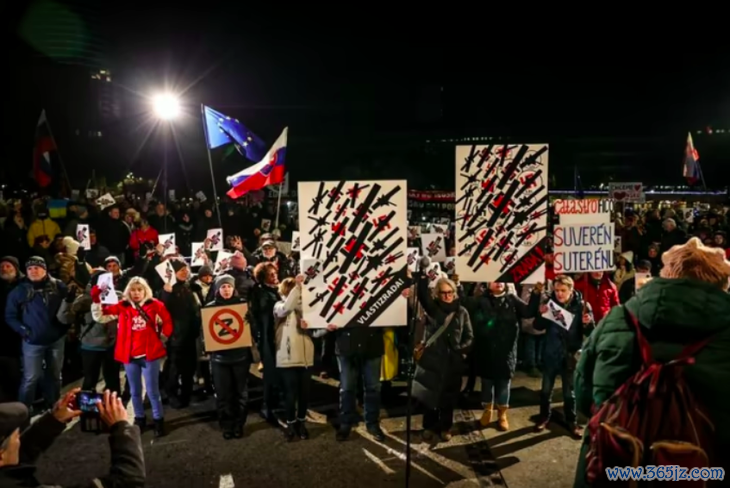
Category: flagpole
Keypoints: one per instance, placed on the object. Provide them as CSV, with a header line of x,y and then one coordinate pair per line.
x,y
210,164
58,151
278,203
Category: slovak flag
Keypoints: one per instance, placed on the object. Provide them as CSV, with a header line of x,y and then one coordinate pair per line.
x,y
43,151
691,162
270,171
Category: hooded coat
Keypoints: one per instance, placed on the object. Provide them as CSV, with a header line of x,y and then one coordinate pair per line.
x,y
673,313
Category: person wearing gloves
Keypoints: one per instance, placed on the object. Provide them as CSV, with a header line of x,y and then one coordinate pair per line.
x,y
97,342
230,369
142,321
37,310
19,451
294,356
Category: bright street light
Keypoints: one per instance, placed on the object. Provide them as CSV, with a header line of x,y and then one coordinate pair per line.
x,y
166,106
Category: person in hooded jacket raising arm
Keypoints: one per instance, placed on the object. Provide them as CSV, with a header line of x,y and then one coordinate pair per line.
x,y
143,321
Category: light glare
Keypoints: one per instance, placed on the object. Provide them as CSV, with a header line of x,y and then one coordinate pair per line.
x,y
166,106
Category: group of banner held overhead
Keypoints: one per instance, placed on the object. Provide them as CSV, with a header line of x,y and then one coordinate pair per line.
x,y
353,236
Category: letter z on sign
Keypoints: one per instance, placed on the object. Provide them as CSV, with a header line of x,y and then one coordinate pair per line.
x,y
226,326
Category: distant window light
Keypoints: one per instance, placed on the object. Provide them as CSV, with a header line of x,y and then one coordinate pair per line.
x,y
108,78
103,71
98,134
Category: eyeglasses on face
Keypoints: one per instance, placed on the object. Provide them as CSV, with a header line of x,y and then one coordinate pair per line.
x,y
446,293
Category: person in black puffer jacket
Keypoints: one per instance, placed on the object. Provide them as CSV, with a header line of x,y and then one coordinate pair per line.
x,y
230,370
263,297
181,348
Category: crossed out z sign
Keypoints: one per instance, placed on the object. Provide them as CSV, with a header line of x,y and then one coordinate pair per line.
x,y
225,327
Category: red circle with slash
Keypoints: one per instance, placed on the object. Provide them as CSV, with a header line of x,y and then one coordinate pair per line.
x,y
217,320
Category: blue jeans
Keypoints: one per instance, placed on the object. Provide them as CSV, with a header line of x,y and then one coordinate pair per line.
x,y
548,384
351,368
34,358
534,346
151,372
495,391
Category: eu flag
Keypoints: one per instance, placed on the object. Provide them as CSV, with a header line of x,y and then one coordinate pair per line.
x,y
221,129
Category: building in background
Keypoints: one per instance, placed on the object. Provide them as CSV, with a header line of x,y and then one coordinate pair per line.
x,y
66,47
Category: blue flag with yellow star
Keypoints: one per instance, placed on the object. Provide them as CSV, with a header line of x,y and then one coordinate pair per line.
x,y
221,130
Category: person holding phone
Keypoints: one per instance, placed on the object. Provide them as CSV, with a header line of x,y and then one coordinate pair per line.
x,y
143,320
19,452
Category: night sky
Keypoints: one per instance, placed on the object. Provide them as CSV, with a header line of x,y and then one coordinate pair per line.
x,y
346,82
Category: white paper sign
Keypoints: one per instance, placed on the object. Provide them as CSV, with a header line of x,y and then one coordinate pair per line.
x,y
312,270
91,193
222,262
433,273
108,293
626,192
171,195
501,213
413,256
104,201
450,265
434,246
295,245
166,272
168,242
557,314
414,232
358,229
216,239
266,225
198,254
201,196
438,228
584,248
82,236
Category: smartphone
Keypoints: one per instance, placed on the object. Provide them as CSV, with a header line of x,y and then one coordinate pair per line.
x,y
86,401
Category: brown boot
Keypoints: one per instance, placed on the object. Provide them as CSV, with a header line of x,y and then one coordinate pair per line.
x,y
502,423
487,415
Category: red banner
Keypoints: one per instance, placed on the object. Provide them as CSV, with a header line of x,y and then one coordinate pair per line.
x,y
431,195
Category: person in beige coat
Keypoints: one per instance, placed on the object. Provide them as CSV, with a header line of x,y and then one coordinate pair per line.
x,y
294,356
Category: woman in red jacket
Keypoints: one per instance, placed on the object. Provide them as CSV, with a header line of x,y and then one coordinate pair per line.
x,y
143,321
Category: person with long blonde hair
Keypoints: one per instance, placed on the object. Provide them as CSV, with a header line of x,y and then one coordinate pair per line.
x,y
294,356
143,321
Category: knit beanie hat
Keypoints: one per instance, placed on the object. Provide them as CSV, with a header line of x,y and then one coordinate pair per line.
x,y
177,264
72,246
36,261
204,271
225,279
112,259
696,261
12,260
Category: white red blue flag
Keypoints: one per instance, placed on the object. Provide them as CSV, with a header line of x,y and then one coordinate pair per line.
x,y
691,162
271,170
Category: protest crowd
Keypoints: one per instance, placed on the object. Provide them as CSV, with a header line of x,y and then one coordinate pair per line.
x,y
116,292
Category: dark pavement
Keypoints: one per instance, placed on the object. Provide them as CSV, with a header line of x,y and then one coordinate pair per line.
x,y
194,453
